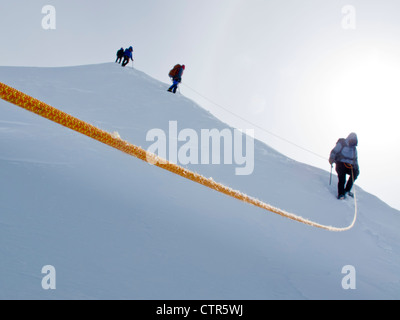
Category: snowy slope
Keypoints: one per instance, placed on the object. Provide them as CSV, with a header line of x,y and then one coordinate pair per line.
x,y
115,227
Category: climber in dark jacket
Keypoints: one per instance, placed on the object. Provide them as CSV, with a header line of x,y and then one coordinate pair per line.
x,y
345,156
120,54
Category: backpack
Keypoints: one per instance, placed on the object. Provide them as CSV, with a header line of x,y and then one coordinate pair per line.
x,y
339,155
174,72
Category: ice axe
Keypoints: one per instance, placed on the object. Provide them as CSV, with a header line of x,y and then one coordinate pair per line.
x,y
330,178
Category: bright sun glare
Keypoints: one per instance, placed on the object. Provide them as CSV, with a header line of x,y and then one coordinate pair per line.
x,y
361,91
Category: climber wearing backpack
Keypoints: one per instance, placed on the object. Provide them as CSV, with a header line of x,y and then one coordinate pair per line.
x,y
120,54
345,156
176,76
127,56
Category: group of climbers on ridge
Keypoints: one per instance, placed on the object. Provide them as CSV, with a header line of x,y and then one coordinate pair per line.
x,y
344,154
125,54
175,74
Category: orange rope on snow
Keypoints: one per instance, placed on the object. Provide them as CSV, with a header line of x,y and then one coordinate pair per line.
x,y
42,109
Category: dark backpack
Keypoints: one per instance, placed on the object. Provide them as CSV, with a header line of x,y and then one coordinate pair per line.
x,y
175,70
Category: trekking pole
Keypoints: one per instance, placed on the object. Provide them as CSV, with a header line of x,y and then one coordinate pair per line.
x,y
330,178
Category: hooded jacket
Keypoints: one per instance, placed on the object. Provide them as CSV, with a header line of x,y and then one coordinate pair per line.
x,y
128,53
345,151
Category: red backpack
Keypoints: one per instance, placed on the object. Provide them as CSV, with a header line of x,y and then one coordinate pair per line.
x,y
174,72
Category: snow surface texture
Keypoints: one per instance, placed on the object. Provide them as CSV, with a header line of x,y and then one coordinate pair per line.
x,y
115,227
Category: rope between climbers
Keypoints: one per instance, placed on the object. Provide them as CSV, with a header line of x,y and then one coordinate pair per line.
x,y
255,125
42,109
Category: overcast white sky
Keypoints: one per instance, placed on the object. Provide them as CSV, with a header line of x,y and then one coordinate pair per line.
x,y
288,66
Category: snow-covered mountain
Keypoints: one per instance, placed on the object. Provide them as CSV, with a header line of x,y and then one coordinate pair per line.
x,y
115,227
